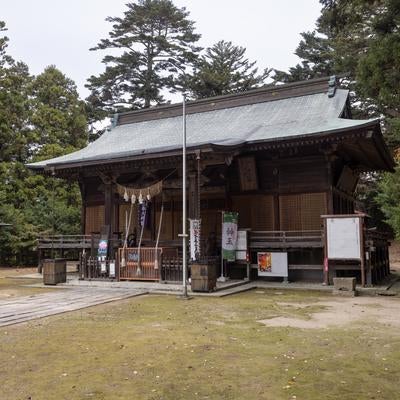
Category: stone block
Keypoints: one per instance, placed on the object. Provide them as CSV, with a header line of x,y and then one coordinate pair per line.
x,y
344,284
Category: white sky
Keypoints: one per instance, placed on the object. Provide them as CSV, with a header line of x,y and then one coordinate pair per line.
x,y
59,32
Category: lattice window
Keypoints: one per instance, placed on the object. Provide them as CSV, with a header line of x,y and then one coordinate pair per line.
x,y
94,219
255,211
290,212
302,212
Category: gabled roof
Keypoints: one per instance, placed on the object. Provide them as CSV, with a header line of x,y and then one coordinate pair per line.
x,y
262,115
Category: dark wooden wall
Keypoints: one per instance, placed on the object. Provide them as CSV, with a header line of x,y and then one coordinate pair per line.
x,y
292,193
288,193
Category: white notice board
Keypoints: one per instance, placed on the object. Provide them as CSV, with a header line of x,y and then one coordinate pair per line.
x,y
272,264
343,238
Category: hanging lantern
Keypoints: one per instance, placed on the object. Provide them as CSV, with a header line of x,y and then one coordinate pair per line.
x,y
140,198
126,197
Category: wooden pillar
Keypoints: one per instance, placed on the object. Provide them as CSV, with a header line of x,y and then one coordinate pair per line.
x,y
109,202
329,200
194,190
368,268
82,189
193,195
277,216
362,249
108,205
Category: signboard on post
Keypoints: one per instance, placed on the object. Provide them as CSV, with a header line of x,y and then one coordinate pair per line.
x,y
344,240
229,235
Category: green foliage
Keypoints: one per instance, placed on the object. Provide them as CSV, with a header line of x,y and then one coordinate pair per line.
x,y
360,40
58,115
155,41
388,197
40,117
224,69
315,51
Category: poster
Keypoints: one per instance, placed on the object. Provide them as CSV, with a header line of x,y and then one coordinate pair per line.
x,y
229,235
195,232
103,247
264,262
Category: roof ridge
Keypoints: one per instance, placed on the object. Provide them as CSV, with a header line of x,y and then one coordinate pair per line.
x,y
253,96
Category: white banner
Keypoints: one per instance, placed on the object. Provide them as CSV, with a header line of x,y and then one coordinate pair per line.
x,y
195,233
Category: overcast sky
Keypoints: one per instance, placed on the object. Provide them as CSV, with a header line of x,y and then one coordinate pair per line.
x,y
44,32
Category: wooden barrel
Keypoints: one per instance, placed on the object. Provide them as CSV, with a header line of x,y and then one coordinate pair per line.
x,y
203,277
54,271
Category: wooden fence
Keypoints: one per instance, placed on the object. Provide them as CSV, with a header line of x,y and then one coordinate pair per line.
x,y
90,268
286,239
147,263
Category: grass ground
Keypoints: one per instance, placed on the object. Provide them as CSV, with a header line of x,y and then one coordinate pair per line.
x,y
160,347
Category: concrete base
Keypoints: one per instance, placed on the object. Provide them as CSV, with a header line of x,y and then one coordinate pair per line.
x,y
344,293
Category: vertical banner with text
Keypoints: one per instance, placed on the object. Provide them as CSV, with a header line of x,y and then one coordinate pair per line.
x,y
195,232
229,235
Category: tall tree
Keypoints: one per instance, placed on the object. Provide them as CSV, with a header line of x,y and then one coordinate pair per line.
x,y
315,51
58,115
360,39
224,69
342,34
14,104
40,117
155,41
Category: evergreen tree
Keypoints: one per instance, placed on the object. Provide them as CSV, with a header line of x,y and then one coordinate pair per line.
x,y
360,40
58,115
40,117
14,104
155,40
224,69
316,54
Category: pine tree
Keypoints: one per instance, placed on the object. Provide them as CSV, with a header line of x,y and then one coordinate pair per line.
x,y
156,41
224,69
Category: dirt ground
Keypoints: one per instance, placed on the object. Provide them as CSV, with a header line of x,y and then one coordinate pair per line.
x,y
7,272
160,347
12,285
341,312
394,252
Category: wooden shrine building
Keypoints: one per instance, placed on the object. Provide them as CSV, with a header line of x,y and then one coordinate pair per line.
x,y
280,156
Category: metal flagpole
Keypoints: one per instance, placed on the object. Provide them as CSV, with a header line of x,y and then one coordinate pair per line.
x,y
184,226
222,277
